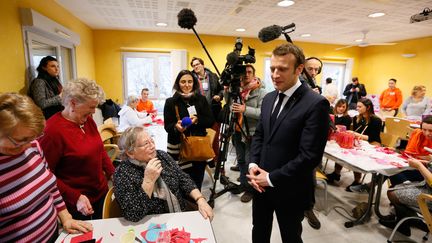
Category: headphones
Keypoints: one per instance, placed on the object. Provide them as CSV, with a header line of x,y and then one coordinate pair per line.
x,y
316,58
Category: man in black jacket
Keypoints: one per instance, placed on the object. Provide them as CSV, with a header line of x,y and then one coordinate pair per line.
x,y
353,92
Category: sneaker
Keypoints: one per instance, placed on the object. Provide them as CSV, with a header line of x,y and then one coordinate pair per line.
x,y
348,188
363,188
312,219
235,168
246,197
333,177
403,229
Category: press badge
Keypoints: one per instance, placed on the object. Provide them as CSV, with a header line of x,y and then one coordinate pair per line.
x,y
205,86
191,110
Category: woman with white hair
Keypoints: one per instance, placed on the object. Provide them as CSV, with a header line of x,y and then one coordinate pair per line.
x,y
75,153
129,116
149,181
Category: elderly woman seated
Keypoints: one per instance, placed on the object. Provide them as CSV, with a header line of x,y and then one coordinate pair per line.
x,y
129,116
149,181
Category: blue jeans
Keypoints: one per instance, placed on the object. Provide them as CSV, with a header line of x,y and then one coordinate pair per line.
x,y
243,158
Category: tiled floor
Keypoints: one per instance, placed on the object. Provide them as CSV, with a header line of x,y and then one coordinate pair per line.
x,y
233,220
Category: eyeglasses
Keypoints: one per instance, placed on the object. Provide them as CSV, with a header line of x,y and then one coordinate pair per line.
x,y
21,143
147,144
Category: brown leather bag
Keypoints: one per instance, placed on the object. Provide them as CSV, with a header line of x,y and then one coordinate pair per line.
x,y
195,148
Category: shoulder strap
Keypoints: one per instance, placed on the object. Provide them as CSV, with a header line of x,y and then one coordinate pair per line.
x,y
177,112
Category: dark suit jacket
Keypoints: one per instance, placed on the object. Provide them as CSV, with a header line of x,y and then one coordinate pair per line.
x,y
294,147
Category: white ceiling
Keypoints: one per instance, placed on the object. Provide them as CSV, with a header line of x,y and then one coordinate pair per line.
x,y
328,21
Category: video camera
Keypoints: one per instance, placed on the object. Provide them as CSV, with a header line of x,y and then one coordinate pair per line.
x,y
235,67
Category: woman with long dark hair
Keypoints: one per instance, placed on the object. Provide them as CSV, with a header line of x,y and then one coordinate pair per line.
x,y
189,104
46,88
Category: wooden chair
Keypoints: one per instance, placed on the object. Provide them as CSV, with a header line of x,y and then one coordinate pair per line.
x,y
425,216
111,208
423,199
108,133
389,140
398,127
112,151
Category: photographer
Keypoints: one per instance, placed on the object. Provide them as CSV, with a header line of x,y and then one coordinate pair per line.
x,y
248,112
353,92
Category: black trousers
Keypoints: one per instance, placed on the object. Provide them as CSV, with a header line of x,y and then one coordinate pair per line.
x,y
196,172
289,218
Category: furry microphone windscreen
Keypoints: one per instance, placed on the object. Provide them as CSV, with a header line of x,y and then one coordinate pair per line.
x,y
186,18
270,33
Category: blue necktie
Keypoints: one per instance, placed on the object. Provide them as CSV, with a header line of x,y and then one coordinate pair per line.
x,y
276,110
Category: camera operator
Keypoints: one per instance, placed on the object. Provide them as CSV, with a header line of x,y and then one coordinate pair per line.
x,y
248,112
209,87
353,92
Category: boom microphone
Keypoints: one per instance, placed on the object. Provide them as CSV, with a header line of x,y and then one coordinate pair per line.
x,y
186,18
273,32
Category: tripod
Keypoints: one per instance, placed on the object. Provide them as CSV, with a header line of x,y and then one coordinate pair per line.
x,y
227,129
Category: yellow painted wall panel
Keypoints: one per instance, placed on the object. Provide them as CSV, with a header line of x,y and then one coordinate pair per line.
x,y
12,63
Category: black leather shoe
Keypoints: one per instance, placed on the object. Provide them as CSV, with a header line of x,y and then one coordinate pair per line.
x,y
333,177
235,168
237,189
403,229
312,219
246,197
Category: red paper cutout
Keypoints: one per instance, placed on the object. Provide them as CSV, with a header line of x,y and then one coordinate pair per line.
x,y
83,237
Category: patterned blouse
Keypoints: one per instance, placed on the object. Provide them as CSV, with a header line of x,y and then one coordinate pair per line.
x,y
134,202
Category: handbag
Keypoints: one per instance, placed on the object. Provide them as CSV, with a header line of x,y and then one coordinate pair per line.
x,y
195,148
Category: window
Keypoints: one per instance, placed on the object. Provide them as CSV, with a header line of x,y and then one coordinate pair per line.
x,y
148,70
45,37
267,75
40,47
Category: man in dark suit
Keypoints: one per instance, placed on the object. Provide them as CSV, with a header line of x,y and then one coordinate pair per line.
x,y
287,146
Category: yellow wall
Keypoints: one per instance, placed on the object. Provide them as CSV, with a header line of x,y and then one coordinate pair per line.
x,y
380,63
108,44
12,61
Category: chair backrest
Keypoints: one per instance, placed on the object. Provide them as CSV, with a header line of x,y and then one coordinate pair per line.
x,y
112,151
423,200
111,208
389,140
397,126
107,132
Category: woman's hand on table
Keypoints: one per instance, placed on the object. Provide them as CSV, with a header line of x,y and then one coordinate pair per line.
x,y
205,209
73,226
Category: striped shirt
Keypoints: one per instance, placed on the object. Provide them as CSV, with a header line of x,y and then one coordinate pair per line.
x,y
29,198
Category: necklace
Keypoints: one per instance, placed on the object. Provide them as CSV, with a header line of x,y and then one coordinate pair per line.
x,y
81,126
